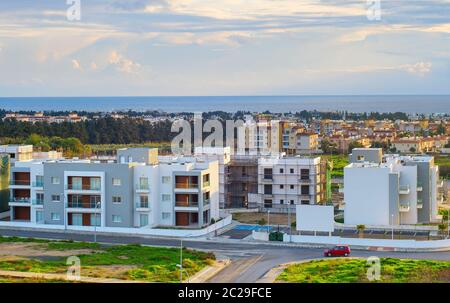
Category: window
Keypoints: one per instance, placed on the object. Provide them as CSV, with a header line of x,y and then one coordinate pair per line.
x,y
267,203
94,200
292,202
165,179
292,186
39,181
55,180
165,197
143,220
268,173
267,189
281,171
56,198
281,201
281,186
305,202
95,183
39,216
143,183
305,190
55,216
116,219
77,219
116,182
95,219
165,216
291,170
116,199
39,198
77,183
304,174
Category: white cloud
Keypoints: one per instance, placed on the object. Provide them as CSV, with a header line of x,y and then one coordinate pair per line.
x,y
418,68
76,65
123,64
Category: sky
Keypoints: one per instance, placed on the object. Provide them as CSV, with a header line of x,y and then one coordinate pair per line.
x,y
224,47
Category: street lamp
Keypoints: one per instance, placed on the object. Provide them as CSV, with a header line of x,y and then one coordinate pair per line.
x,y
97,205
268,221
289,222
181,260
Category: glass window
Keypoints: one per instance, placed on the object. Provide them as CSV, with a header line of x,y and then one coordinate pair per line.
x,y
95,219
55,180
143,183
165,216
116,219
117,199
77,219
166,179
95,183
39,216
55,217
165,197
77,183
143,220
39,180
116,182
56,198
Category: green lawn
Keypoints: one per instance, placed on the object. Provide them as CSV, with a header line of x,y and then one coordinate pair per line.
x,y
354,271
155,264
444,165
339,162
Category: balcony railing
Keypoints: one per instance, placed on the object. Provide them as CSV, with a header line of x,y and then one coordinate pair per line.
x,y
140,186
73,204
419,186
38,202
206,183
419,203
186,185
404,206
186,203
20,182
304,180
24,200
83,187
268,177
404,189
206,201
38,184
142,205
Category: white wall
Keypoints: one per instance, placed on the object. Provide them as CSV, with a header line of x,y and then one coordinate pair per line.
x,y
315,218
366,195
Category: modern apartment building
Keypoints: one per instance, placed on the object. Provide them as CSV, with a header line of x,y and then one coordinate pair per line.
x,y
136,190
397,190
287,181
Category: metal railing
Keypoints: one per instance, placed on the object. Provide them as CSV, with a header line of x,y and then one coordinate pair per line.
x,y
140,186
83,187
38,202
38,184
186,185
186,203
74,204
24,200
142,205
20,182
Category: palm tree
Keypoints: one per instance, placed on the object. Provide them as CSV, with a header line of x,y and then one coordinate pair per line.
x,y
361,228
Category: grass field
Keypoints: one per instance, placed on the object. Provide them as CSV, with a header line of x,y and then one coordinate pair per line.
x,y
354,271
339,162
96,148
129,262
444,165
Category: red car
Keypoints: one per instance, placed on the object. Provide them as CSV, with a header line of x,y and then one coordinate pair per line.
x,y
337,251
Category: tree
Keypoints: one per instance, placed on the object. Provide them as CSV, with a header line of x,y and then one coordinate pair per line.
x,y
361,228
327,147
354,144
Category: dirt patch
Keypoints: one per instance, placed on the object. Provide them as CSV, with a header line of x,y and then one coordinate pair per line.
x,y
107,271
254,218
37,250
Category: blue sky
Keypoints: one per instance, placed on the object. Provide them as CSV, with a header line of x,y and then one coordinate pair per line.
x,y
227,47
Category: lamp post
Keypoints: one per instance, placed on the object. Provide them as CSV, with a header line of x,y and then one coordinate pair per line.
x,y
97,205
181,259
268,221
289,222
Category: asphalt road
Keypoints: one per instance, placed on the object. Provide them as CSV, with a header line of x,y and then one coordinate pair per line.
x,y
250,261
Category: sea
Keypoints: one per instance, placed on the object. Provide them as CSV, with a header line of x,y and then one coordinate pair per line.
x,y
412,104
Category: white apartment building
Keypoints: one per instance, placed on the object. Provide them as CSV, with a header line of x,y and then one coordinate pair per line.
x,y
137,190
398,190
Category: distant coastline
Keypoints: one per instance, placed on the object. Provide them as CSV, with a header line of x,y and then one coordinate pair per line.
x,y
419,104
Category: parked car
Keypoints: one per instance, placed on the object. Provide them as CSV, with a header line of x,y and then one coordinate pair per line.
x,y
337,251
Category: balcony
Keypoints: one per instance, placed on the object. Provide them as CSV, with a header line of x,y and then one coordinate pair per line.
x,y
21,200
38,184
143,188
142,206
83,187
19,182
89,205
37,202
419,186
206,201
419,203
404,189
267,177
188,203
304,180
404,207
206,183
